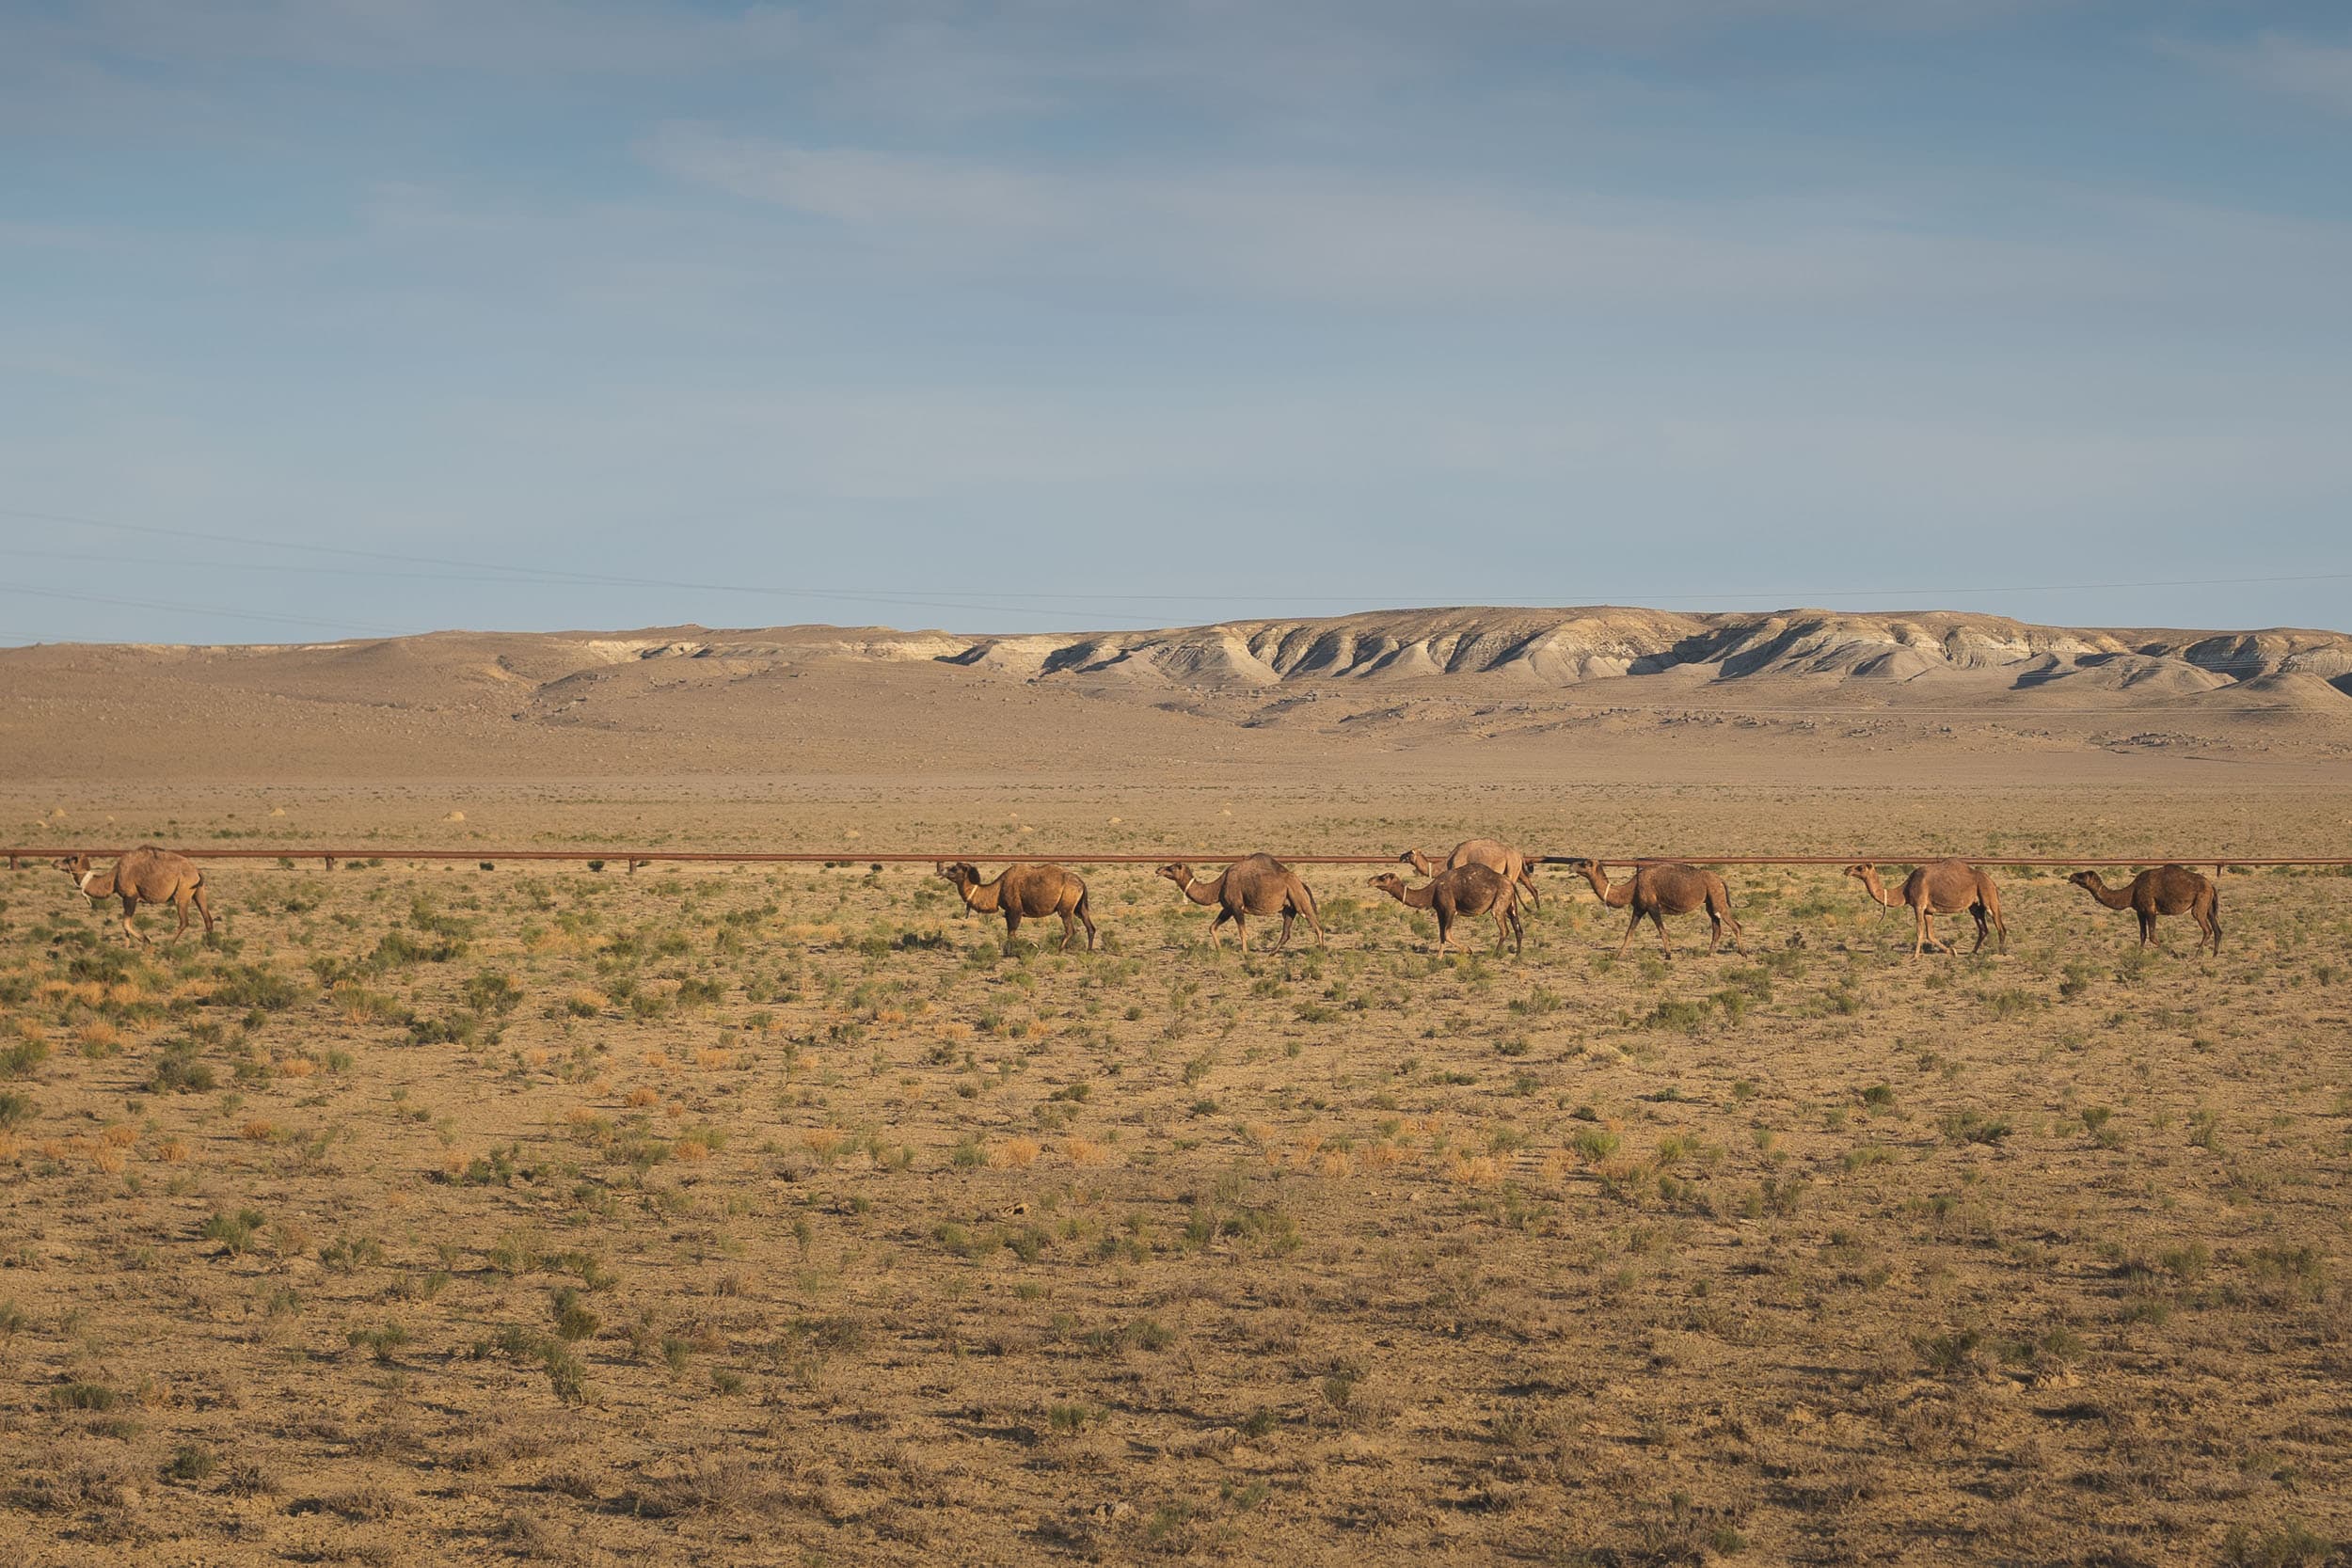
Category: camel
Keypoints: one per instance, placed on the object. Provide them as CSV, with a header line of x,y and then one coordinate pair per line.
x,y
1025,892
2165,890
1512,865
1941,887
145,875
1655,891
1462,890
1257,884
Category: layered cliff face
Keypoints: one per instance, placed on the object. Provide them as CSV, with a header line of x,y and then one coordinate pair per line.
x,y
1528,650
1570,648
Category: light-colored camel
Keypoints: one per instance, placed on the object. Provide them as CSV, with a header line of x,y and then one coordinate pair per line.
x,y
1025,893
147,875
1940,887
1463,890
2165,890
1512,865
1655,891
1256,884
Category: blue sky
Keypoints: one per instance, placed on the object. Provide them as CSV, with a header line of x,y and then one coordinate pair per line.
x,y
327,317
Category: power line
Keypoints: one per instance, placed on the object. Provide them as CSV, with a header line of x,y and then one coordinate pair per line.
x,y
968,599
526,573
192,608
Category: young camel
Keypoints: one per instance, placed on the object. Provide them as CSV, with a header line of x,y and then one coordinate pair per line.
x,y
145,875
1655,891
1512,865
1463,890
1258,885
2165,890
1941,887
1025,893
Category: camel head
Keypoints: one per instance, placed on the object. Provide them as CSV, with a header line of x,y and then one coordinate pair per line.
x,y
76,866
1421,864
1180,874
1391,884
2090,879
1862,872
962,873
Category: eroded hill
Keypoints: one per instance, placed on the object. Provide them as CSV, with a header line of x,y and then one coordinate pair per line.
x,y
830,699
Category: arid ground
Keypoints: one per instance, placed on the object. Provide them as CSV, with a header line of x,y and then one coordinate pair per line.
x,y
435,1213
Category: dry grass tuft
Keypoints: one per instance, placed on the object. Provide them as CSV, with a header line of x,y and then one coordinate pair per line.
x,y
1013,1153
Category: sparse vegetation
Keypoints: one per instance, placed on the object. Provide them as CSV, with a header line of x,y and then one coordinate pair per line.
x,y
654,1208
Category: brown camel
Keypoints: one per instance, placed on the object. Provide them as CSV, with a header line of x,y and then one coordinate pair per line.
x,y
1257,884
1462,890
1512,865
146,875
2165,890
1655,891
1941,887
1025,893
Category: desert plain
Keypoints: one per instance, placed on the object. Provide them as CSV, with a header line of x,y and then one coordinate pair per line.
x,y
492,1210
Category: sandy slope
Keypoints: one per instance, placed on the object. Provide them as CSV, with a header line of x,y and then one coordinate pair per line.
x,y
1593,693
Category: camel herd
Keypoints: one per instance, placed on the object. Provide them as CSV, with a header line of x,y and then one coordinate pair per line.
x,y
1480,876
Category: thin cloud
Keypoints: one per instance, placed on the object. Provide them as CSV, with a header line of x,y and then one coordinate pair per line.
x,y
2299,68
1346,237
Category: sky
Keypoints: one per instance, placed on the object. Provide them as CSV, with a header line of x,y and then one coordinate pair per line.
x,y
326,318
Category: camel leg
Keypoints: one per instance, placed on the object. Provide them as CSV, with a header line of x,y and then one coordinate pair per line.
x,y
1082,914
1284,940
1534,895
130,908
1216,938
1659,920
1012,927
1069,932
1632,925
1518,935
203,907
1927,933
1921,927
179,906
1983,928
